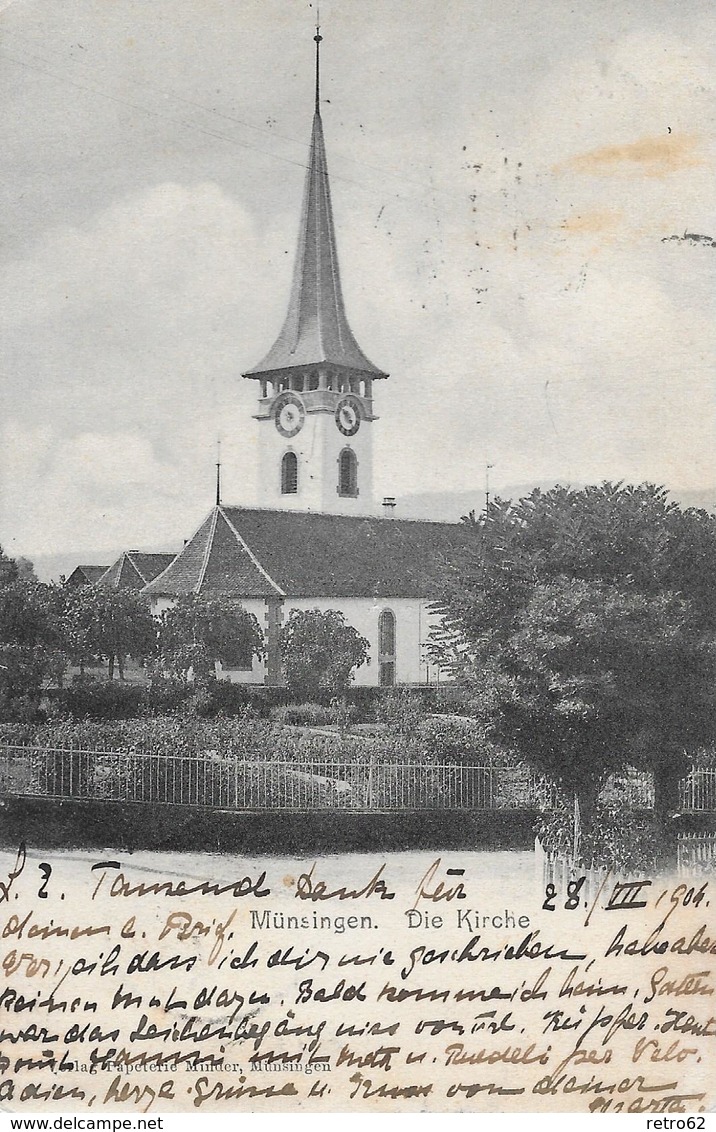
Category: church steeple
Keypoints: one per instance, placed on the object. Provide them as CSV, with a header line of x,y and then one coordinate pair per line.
x,y
318,40
316,385
316,328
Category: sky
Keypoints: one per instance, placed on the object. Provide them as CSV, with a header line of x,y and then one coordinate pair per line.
x,y
524,206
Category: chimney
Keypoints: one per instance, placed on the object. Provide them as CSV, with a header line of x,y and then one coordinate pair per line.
x,y
388,506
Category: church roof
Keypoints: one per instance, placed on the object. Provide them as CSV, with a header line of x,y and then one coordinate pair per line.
x,y
316,327
134,569
214,561
254,552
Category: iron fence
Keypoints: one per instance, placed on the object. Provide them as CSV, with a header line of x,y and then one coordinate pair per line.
x,y
696,853
697,792
635,788
220,781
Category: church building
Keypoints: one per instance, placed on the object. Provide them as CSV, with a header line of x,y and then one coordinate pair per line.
x,y
317,539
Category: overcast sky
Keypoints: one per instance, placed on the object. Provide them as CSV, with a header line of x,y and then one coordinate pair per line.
x,y
506,179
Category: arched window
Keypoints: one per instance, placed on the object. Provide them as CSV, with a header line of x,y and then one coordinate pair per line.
x,y
386,648
289,474
347,473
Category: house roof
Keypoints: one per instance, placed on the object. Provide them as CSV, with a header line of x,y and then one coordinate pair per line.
x,y
85,575
256,552
316,327
134,569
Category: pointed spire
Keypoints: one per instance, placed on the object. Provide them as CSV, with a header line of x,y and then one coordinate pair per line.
x,y
318,39
316,327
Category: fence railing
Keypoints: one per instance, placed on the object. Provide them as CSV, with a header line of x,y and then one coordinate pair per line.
x,y
696,853
226,783
697,791
220,781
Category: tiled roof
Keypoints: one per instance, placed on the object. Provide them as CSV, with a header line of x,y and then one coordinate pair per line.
x,y
214,561
149,565
249,552
316,327
85,575
134,569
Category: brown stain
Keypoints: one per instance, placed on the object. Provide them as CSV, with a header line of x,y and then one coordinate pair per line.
x,y
649,157
597,221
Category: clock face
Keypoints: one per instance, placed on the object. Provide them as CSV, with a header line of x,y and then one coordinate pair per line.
x,y
289,414
348,416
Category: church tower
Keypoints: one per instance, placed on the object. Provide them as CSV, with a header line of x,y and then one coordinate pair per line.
x,y
316,385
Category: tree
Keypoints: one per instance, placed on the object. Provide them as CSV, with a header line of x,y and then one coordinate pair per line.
x,y
197,631
319,653
113,624
25,569
584,622
79,618
29,633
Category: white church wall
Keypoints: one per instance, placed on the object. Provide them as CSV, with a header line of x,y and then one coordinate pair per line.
x,y
413,621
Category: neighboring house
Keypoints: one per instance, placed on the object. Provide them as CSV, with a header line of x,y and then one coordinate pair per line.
x,y
85,575
134,569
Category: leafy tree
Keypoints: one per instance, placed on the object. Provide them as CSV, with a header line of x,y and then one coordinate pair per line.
x,y
197,631
79,620
319,653
29,633
584,623
113,624
8,569
25,569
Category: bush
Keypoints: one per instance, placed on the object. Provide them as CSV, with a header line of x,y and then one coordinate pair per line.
x,y
199,702
213,698
453,741
400,712
621,840
100,699
315,715
21,709
225,698
164,694
454,699
261,699
169,735
88,698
